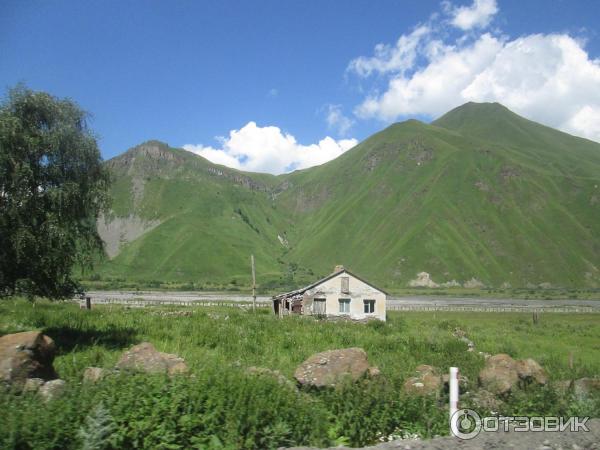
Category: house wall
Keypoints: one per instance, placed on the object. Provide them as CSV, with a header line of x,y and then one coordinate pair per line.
x,y
331,289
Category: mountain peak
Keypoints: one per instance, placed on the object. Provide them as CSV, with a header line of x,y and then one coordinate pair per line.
x,y
473,112
482,106
148,156
493,122
154,150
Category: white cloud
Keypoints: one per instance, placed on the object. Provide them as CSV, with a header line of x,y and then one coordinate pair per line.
x,y
397,58
548,78
437,87
337,120
585,123
478,15
268,149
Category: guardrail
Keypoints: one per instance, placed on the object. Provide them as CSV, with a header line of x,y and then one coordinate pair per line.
x,y
389,307
528,309
143,302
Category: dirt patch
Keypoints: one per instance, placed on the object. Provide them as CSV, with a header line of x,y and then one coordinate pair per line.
x,y
117,231
423,280
508,173
473,283
372,161
420,152
137,190
482,186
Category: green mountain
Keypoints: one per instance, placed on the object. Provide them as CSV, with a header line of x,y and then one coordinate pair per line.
x,y
480,196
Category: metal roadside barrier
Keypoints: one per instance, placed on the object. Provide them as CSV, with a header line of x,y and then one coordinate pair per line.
x,y
144,302
87,301
541,309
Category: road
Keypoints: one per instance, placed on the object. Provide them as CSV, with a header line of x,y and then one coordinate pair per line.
x,y
394,303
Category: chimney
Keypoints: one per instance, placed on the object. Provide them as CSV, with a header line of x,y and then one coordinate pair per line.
x,y
338,268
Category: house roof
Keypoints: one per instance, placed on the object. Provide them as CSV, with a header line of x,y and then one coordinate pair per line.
x,y
322,280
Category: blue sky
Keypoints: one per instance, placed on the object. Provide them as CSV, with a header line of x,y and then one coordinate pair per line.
x,y
272,86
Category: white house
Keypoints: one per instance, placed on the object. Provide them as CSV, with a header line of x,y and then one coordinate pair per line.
x,y
340,294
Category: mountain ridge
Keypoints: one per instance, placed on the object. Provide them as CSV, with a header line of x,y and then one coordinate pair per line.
x,y
461,198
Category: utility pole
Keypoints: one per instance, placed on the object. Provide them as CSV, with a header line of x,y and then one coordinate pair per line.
x,y
253,284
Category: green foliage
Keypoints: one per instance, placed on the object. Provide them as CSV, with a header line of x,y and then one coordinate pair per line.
x,y
97,430
52,188
221,406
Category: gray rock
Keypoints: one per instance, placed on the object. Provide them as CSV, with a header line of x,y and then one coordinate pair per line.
x,y
499,376
26,355
51,390
502,374
427,381
483,400
332,367
145,358
94,374
33,384
530,371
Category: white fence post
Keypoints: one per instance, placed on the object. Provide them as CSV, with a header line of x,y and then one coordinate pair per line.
x,y
453,391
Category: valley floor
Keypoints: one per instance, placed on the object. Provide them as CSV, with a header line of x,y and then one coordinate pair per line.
x,y
407,303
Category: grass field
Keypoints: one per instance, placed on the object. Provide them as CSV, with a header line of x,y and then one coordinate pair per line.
x,y
221,406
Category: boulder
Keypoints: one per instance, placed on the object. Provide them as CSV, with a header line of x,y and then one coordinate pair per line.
x,y
484,401
499,376
463,382
51,390
332,367
530,371
427,381
581,387
26,355
33,384
502,374
145,358
584,386
373,372
425,369
94,374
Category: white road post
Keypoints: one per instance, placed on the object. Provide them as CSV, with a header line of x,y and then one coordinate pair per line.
x,y
453,391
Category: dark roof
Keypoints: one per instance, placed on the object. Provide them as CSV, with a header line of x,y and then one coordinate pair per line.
x,y
316,283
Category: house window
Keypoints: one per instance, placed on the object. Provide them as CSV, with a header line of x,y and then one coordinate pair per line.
x,y
345,285
369,306
344,305
319,306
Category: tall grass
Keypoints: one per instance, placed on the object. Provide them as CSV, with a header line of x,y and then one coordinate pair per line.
x,y
222,406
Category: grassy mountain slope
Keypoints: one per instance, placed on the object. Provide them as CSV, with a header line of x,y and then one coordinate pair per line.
x,y
210,218
481,193
457,207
